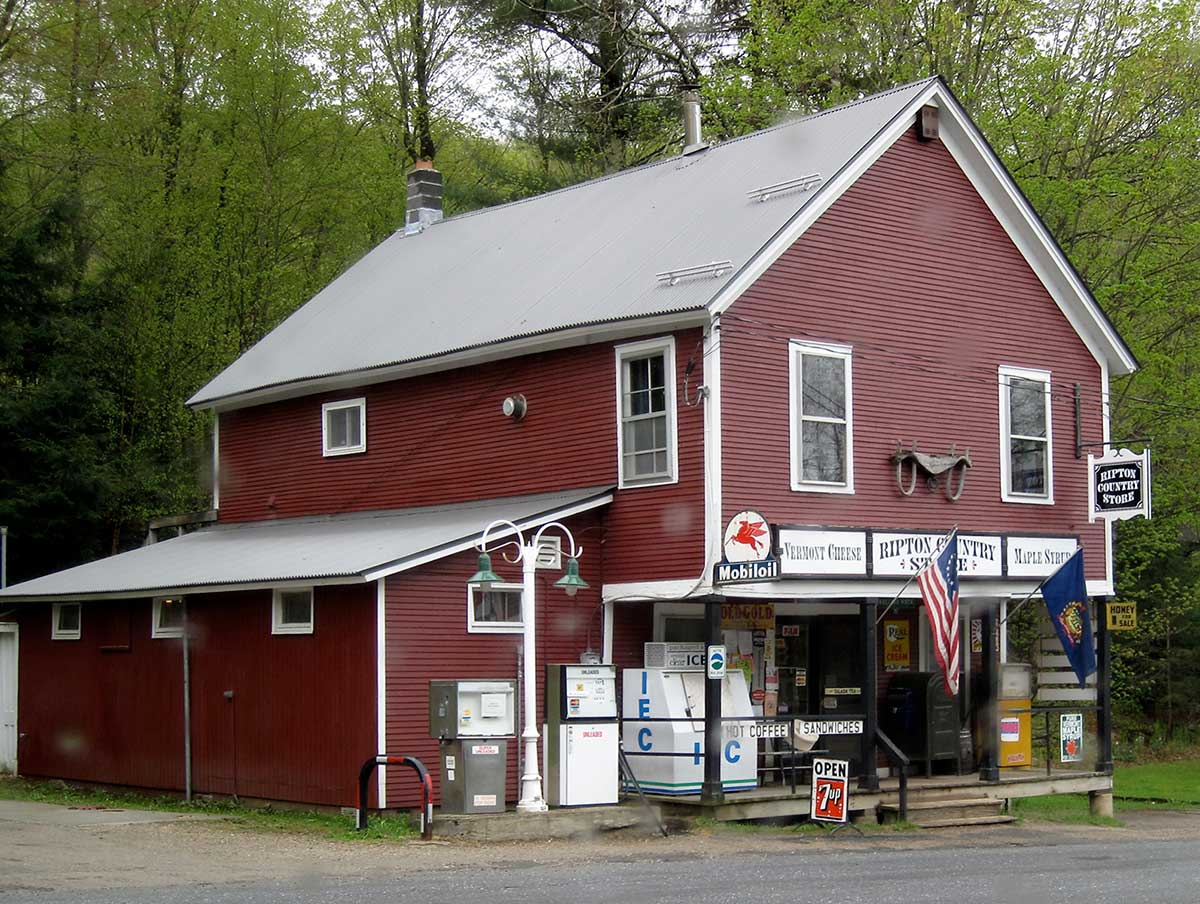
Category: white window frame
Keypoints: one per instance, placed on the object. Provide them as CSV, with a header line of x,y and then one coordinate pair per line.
x,y
158,632
1007,494
474,627
797,348
666,345
277,624
55,633
361,405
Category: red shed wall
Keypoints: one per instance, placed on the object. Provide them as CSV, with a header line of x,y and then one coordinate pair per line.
x,y
911,269
426,636
108,707
442,438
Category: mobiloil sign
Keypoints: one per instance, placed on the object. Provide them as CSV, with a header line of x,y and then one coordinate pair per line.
x,y
649,694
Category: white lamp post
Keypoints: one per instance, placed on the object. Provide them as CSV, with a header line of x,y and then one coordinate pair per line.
x,y
531,800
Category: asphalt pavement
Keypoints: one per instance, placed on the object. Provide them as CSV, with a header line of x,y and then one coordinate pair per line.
x,y
779,869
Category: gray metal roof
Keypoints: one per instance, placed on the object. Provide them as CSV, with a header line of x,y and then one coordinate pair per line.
x,y
584,255
355,547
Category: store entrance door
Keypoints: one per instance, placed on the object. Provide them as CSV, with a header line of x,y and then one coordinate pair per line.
x,y
792,665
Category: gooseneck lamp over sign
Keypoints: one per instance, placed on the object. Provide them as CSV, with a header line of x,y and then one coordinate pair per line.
x,y
510,535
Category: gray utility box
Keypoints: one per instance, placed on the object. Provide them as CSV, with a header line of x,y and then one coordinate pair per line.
x,y
474,774
479,708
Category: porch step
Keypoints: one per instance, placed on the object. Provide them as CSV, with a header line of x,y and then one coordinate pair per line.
x,y
940,812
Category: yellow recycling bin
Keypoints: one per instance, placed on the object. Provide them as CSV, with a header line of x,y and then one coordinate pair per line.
x,y
1016,694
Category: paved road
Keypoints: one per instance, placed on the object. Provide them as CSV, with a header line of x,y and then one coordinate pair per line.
x,y
780,869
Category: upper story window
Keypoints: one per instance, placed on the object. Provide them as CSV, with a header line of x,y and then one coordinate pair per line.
x,y
822,418
496,610
646,441
65,621
167,617
1026,460
292,611
344,426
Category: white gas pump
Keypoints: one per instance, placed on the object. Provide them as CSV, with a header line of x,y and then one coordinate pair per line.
x,y
581,751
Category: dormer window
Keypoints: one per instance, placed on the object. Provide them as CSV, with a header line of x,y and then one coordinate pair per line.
x,y
345,426
646,443
1026,442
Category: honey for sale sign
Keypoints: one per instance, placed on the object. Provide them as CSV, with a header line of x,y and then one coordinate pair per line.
x,y
830,790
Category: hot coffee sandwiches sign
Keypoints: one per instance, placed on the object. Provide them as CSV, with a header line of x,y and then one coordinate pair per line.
x,y
1120,485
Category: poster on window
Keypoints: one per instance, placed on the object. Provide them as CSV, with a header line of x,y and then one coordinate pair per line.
x,y
897,653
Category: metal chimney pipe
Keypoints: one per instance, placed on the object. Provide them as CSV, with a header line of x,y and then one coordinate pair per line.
x,y
692,139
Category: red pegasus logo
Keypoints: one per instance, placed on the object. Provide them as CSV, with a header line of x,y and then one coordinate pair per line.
x,y
748,533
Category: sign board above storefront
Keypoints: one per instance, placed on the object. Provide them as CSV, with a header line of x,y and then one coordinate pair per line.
x,y
749,551
804,552
1037,557
1120,485
903,553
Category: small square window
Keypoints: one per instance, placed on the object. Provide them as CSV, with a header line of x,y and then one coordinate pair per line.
x,y
344,427
292,612
65,621
167,617
496,610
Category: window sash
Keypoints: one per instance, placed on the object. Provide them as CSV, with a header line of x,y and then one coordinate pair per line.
x,y
497,610
813,464
646,412
1027,455
293,611
344,428
167,613
66,621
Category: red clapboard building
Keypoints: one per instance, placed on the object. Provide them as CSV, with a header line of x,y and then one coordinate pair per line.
x,y
852,324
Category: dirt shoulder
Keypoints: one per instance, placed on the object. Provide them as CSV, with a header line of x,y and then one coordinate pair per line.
x,y
50,852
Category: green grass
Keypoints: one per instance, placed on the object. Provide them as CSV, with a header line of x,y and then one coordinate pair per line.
x,y
1175,782
259,819
1072,808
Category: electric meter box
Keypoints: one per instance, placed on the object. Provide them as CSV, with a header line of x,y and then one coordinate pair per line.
x,y
472,709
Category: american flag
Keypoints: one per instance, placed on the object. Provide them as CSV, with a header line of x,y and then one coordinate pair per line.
x,y
939,589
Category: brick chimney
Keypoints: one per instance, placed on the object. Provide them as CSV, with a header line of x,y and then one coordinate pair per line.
x,y
424,197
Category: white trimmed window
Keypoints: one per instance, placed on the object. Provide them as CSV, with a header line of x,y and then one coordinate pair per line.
x,y
292,611
822,417
65,621
167,617
646,440
1026,448
496,610
344,426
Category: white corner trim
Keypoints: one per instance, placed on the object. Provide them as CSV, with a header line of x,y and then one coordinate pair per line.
x,y
666,345
1003,374
381,683
216,462
342,404
713,474
796,348
606,640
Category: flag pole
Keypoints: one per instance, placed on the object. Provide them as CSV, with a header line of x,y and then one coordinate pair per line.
x,y
912,577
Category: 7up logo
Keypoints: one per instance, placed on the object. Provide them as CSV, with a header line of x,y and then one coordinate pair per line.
x,y
716,661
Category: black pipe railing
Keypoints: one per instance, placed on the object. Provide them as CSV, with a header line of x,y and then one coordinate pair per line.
x,y
383,759
896,755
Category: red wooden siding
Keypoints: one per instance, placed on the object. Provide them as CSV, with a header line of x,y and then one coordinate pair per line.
x,y
426,633
300,724
97,715
911,269
442,438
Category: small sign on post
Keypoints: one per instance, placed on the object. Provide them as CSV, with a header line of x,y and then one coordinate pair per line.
x,y
830,791
716,662
1120,485
1070,734
1122,616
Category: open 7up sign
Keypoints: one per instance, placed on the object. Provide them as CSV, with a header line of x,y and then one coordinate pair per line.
x,y
830,790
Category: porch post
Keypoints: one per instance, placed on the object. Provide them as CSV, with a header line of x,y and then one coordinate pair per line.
x,y
711,792
989,763
1104,762
869,780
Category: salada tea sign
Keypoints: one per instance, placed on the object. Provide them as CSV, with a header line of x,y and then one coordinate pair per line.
x,y
1120,485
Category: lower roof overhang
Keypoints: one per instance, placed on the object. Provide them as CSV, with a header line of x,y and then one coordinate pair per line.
x,y
333,549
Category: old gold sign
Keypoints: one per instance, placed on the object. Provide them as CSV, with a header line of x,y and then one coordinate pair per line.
x,y
1122,616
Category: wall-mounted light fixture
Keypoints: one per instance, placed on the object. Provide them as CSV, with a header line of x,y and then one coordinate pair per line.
x,y
515,406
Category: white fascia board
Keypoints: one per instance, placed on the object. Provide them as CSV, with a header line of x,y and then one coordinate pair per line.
x,y
189,590
989,178
783,590
497,351
389,568
381,684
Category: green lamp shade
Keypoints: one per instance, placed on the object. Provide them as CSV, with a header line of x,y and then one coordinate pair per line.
x,y
571,581
485,577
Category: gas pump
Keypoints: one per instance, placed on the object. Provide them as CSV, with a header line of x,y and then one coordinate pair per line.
x,y
581,752
471,719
